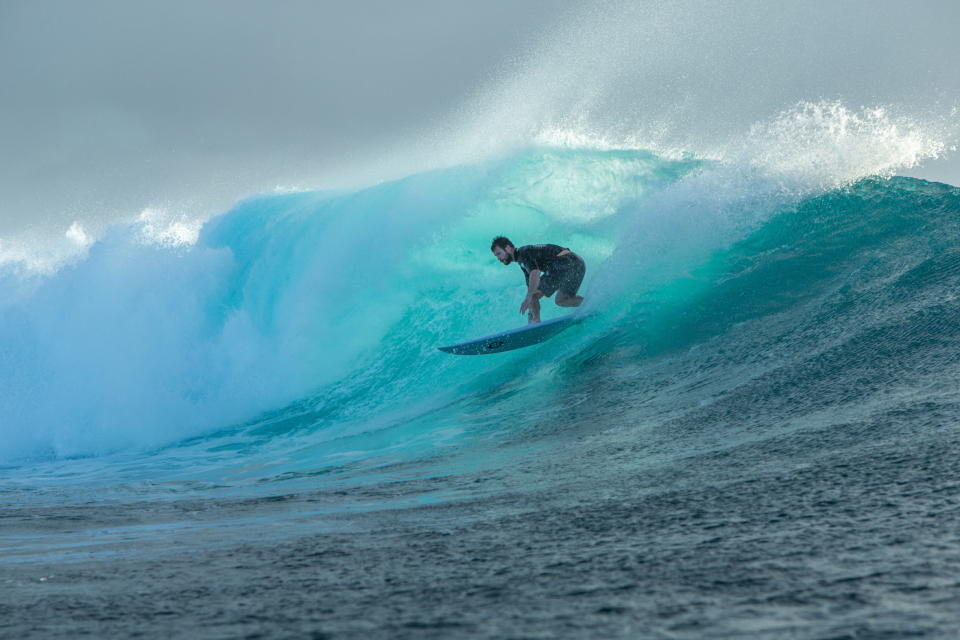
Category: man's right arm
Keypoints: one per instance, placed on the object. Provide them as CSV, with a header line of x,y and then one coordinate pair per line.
x,y
533,282
533,288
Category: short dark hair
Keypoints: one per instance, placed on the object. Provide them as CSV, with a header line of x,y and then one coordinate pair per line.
x,y
501,241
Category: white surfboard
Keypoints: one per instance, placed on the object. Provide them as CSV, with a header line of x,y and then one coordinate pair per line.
x,y
526,336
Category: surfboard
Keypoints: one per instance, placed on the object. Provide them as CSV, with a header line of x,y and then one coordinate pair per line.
x,y
526,336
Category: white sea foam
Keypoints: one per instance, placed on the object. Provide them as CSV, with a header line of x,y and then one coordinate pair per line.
x,y
829,144
163,227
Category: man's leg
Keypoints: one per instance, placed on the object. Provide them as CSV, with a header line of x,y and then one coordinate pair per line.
x,y
570,279
566,300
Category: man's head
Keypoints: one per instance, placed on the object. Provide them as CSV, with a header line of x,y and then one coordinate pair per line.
x,y
503,249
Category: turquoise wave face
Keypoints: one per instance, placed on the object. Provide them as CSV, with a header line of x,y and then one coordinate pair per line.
x,y
139,345
297,338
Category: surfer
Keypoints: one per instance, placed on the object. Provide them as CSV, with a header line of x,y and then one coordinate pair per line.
x,y
548,269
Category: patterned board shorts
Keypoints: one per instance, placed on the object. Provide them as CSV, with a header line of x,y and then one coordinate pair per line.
x,y
565,276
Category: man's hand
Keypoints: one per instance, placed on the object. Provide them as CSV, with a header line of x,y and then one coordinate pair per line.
x,y
531,306
526,303
532,302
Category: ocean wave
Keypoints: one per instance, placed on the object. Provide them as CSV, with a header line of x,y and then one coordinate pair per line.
x,y
319,312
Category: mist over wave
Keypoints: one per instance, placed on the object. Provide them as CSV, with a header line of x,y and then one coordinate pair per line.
x,y
672,78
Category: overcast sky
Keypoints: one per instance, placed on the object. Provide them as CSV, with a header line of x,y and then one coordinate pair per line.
x,y
108,107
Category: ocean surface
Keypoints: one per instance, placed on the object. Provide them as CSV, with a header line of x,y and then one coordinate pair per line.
x,y
250,432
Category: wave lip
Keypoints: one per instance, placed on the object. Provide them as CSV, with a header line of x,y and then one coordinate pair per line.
x,y
827,145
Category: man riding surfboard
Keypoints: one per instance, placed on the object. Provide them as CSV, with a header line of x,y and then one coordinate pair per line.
x,y
548,269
